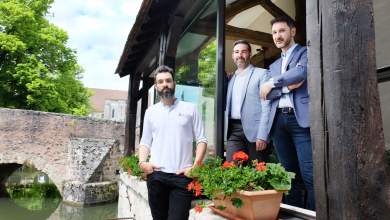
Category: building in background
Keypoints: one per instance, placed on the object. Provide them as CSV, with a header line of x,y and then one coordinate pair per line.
x,y
109,104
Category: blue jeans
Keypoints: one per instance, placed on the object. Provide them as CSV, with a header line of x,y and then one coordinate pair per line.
x,y
293,148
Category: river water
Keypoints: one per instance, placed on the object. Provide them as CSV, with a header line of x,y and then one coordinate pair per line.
x,y
55,210
41,202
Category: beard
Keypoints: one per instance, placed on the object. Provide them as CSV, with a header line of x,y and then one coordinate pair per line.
x,y
167,93
283,42
241,62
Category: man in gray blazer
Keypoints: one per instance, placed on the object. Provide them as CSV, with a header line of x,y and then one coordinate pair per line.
x,y
289,117
246,115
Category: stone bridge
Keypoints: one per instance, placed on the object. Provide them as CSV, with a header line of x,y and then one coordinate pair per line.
x,y
79,154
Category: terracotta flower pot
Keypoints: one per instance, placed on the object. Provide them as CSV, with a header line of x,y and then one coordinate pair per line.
x,y
257,205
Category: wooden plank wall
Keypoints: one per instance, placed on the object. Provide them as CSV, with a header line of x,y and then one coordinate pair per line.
x,y
351,179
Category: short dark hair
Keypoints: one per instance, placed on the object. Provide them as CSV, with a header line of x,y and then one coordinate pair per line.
x,y
290,22
243,42
163,69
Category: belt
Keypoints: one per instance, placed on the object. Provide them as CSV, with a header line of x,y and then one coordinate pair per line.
x,y
286,110
235,121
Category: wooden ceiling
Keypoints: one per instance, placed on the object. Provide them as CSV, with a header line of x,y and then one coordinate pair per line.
x,y
154,15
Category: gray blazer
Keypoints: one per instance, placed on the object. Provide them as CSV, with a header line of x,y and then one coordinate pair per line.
x,y
254,111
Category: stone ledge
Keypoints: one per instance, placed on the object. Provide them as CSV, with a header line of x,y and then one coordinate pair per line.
x,y
79,194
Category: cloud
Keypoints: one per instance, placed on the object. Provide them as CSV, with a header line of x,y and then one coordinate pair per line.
x,y
98,31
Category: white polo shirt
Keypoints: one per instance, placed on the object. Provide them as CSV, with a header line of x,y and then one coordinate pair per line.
x,y
169,132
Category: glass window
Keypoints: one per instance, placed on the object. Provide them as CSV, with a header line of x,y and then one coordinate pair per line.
x,y
196,67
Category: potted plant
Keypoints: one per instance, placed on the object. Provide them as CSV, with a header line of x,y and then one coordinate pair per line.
x,y
249,190
130,164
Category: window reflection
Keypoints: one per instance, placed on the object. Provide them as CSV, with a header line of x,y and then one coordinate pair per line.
x,y
196,64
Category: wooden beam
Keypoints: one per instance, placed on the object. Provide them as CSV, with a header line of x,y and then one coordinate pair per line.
x,y
300,21
383,74
274,10
350,173
131,115
254,37
318,120
176,25
235,33
221,81
237,7
144,95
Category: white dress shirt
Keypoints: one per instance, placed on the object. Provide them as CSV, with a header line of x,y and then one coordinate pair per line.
x,y
169,132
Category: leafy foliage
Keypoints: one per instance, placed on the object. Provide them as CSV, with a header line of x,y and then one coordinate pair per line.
x,y
216,178
130,164
206,72
37,70
208,68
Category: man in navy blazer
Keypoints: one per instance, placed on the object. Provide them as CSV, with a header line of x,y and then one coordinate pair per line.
x,y
246,116
289,117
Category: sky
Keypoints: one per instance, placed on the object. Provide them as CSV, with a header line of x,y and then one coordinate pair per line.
x,y
98,31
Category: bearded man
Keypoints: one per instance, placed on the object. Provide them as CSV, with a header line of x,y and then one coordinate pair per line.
x,y
246,115
289,117
170,127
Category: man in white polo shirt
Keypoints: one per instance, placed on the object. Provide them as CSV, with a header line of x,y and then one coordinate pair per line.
x,y
170,127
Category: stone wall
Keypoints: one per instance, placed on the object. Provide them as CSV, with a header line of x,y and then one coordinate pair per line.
x,y
67,148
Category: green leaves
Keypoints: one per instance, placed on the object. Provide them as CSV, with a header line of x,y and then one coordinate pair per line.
x,y
278,177
237,202
37,70
130,165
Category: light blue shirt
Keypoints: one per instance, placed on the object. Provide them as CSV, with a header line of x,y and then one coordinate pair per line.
x,y
285,100
239,84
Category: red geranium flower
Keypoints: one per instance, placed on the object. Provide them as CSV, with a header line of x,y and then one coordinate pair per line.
x,y
240,156
261,166
196,187
198,208
190,186
228,164
129,171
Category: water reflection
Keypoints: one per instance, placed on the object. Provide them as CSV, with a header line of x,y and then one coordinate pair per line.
x,y
97,212
33,196
9,210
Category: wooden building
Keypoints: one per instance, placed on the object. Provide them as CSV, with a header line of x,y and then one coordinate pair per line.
x,y
348,52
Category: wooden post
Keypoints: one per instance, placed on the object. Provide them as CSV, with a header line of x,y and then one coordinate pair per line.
x,y
147,83
221,80
350,176
131,114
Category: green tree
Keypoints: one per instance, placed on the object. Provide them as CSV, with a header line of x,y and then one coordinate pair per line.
x,y
207,68
37,70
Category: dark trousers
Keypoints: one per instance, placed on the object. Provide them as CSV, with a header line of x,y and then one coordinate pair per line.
x,y
236,141
168,196
293,148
